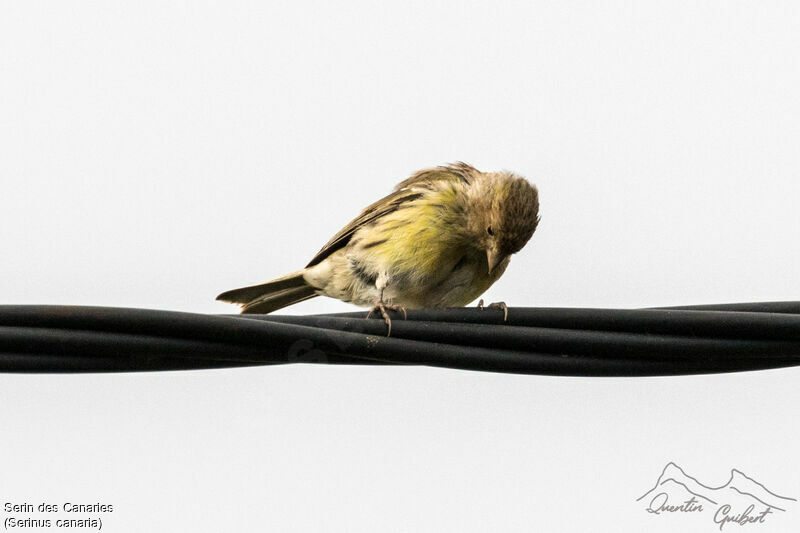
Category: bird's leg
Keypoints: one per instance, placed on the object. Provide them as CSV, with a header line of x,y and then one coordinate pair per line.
x,y
381,307
496,305
503,306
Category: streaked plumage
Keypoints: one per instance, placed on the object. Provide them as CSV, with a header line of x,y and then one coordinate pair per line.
x,y
440,239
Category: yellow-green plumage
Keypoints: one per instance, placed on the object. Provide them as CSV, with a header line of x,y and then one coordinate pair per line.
x,y
427,244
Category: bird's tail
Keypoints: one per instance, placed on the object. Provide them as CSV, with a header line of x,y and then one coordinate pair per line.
x,y
272,295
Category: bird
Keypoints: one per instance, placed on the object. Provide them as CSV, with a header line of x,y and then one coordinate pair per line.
x,y
440,239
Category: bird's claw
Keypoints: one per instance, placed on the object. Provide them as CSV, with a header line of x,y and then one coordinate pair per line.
x,y
383,309
496,305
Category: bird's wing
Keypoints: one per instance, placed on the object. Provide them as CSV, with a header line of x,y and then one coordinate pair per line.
x,y
405,191
382,207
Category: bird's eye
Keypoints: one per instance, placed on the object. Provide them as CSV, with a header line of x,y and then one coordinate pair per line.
x,y
490,231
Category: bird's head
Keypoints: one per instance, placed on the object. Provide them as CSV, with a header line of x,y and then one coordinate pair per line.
x,y
503,216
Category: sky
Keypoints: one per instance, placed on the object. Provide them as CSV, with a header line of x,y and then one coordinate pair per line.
x,y
155,155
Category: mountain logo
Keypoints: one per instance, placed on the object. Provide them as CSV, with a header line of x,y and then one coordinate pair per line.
x,y
741,501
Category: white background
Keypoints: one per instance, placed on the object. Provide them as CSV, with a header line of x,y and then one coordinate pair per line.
x,y
155,154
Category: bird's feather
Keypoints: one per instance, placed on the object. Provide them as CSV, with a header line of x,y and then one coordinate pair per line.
x,y
245,295
278,300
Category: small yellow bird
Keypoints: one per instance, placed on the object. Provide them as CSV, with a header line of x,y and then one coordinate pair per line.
x,y
440,239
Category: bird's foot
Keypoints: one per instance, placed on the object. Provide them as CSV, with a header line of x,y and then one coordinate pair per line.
x,y
383,309
496,305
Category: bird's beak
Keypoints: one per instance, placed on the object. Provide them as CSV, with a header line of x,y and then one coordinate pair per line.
x,y
494,258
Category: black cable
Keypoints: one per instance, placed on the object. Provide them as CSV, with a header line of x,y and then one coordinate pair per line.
x,y
38,362
683,322
552,340
555,341
792,308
